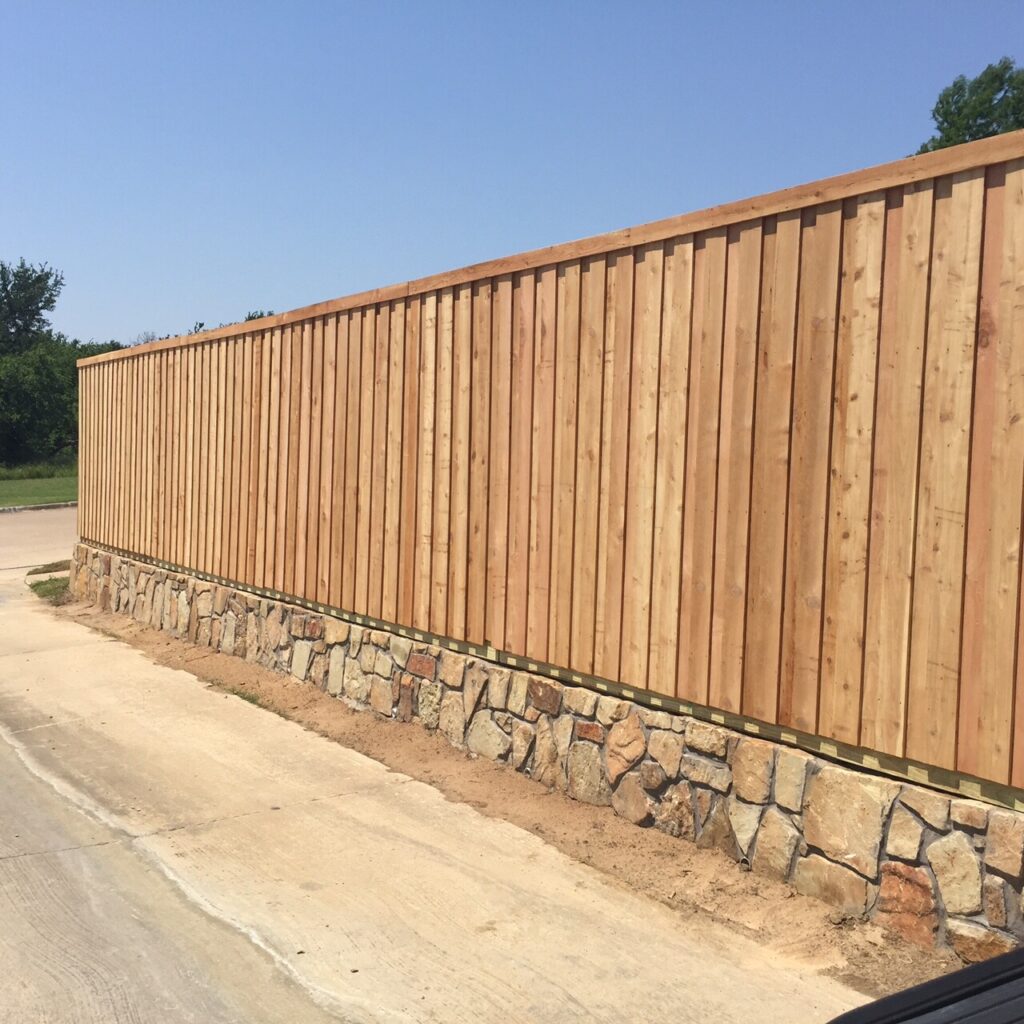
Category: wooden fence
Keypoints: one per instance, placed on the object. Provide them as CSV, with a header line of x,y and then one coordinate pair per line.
x,y
767,458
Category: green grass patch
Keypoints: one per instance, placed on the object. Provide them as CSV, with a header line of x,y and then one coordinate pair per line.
x,y
41,570
60,465
35,491
55,591
249,696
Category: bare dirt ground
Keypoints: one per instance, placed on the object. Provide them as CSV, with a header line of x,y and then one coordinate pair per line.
x,y
695,883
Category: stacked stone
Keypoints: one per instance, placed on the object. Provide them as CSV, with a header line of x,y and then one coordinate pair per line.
x,y
936,869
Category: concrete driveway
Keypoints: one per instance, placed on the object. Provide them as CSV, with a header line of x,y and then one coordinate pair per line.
x,y
170,853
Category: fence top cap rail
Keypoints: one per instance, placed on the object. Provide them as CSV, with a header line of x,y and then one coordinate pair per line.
x,y
969,156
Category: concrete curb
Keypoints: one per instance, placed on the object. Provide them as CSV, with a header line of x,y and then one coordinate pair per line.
x,y
37,508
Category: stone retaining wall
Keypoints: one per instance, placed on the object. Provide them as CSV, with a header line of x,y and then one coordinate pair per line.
x,y
938,870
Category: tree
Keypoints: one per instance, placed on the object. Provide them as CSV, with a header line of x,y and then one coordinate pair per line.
x,y
977,108
27,294
258,314
38,375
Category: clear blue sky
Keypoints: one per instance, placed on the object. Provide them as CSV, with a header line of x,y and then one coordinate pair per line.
x,y
192,161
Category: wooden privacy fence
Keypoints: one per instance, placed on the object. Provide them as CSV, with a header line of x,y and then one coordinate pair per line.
x,y
767,458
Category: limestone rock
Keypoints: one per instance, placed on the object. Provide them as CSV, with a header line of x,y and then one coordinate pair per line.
x,y
969,814
562,728
473,685
953,860
522,743
368,658
586,778
716,832
932,807
383,665
790,775
227,636
993,897
667,749
401,648
707,773
630,800
654,719
1004,847
843,816
580,701
906,903
452,717
497,687
624,747
674,814
752,764
593,732
517,693
336,631
486,738
428,703
611,710
815,876
905,832
707,738
974,943
547,767
777,840
300,658
381,695
652,775
545,695
335,671
744,819
357,682
421,665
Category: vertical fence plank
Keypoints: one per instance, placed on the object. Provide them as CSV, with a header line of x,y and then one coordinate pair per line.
x,y
992,576
423,581
849,496
563,483
588,462
458,544
943,470
393,484
904,313
255,555
498,461
809,467
365,470
479,457
353,426
339,414
735,450
442,463
303,388
709,267
780,273
378,462
326,545
641,467
520,443
410,465
538,592
670,466
611,514
315,448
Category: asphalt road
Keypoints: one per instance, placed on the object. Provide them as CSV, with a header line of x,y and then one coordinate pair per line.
x,y
170,854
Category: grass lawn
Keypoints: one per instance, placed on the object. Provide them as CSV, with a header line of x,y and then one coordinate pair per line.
x,y
45,491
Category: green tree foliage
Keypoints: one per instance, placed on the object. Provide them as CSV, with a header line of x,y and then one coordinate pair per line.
x,y
27,294
976,108
38,376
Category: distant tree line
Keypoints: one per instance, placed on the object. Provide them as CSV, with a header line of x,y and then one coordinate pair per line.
x,y
38,377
